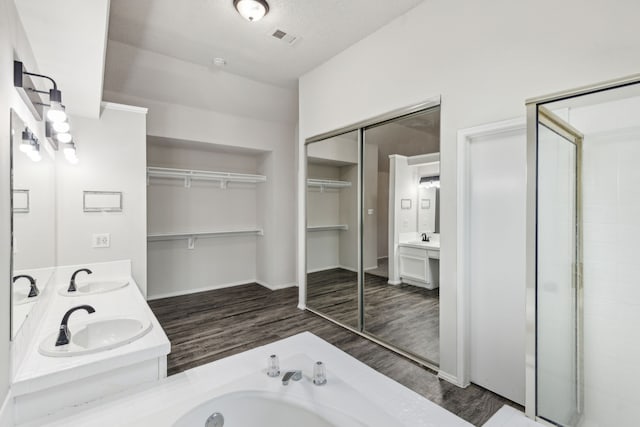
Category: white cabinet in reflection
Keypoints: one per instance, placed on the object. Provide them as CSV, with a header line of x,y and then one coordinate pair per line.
x,y
419,264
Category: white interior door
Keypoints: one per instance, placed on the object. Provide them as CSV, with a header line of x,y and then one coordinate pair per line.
x,y
496,190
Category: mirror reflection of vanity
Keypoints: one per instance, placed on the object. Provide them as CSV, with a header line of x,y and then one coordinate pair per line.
x,y
417,254
373,230
33,216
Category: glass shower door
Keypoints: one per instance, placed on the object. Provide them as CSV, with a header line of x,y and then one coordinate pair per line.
x,y
559,299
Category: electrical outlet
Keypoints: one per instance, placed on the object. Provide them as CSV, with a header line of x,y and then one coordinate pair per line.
x,y
101,240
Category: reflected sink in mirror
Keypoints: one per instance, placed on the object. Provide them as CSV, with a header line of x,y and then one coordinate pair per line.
x,y
427,245
96,336
94,287
21,297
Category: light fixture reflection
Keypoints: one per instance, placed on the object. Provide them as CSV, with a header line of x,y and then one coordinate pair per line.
x,y
251,10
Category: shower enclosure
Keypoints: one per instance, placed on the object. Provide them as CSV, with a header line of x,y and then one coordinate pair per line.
x,y
583,228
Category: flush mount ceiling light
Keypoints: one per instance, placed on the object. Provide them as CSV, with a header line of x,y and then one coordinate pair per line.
x,y
251,10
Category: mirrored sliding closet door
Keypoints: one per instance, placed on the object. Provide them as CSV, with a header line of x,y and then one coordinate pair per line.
x,y
373,230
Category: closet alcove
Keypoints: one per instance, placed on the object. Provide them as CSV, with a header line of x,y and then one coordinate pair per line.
x,y
203,217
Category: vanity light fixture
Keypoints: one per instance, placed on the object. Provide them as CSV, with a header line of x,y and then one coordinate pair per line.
x,y
30,145
64,137
26,143
61,127
251,10
430,182
31,95
70,152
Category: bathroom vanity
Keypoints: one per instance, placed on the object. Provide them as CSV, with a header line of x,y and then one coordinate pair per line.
x,y
100,360
420,263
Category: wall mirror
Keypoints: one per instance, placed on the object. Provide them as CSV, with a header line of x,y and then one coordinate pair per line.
x,y
373,230
33,254
332,227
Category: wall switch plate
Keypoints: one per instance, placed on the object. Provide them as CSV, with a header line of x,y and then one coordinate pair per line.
x,y
101,240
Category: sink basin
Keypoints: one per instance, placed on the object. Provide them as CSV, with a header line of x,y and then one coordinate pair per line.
x,y
95,336
21,296
94,287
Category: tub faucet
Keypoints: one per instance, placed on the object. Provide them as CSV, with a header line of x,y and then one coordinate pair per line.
x,y
33,292
291,375
72,283
425,238
64,335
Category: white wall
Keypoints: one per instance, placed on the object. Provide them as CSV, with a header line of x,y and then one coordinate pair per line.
x,y
486,59
275,251
112,153
13,41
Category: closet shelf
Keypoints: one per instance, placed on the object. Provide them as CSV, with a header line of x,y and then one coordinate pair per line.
x,y
327,183
192,236
188,175
328,227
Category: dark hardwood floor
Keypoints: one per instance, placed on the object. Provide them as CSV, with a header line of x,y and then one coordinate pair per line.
x,y
403,315
212,325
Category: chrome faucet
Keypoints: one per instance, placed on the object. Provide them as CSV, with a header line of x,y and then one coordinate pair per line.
x,y
64,335
72,283
291,375
33,292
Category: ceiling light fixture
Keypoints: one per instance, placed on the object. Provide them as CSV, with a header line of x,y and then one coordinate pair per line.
x,y
251,10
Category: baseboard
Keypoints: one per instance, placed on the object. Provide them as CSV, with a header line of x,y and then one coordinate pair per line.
x,y
394,282
6,411
452,379
205,289
276,287
331,267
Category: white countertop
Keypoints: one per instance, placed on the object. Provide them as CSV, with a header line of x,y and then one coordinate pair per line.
x,y
418,244
37,372
352,388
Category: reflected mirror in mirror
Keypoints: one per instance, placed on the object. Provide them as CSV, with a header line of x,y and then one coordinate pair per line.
x,y
332,228
401,241
33,220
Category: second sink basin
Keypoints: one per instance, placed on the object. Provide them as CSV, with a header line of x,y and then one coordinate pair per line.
x,y
95,336
22,297
94,287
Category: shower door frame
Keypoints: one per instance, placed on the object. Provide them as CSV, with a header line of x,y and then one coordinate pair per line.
x,y
534,106
573,136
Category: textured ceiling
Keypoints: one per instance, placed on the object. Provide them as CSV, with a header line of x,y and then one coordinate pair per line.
x,y
199,30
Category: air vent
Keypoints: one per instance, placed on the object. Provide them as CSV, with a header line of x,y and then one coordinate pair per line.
x,y
288,38
279,34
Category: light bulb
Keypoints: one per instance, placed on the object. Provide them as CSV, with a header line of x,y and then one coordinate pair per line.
x,y
26,147
61,127
35,155
56,113
71,158
252,10
70,153
64,137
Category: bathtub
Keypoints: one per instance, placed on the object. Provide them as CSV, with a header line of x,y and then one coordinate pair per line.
x,y
239,389
265,409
